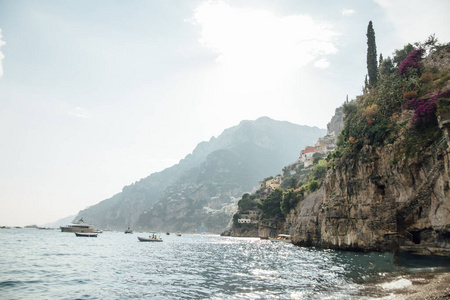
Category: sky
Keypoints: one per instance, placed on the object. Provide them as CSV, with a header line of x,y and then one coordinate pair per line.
x,y
95,95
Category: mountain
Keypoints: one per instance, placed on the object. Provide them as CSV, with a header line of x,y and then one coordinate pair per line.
x,y
294,177
197,194
60,222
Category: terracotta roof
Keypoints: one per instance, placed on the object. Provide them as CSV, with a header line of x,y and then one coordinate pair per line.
x,y
310,149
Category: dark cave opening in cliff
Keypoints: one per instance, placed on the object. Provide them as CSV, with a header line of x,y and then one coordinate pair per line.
x,y
416,237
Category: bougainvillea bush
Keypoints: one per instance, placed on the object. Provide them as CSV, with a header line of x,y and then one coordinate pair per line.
x,y
410,65
425,108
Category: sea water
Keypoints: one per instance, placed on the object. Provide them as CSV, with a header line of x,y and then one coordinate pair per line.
x,y
49,264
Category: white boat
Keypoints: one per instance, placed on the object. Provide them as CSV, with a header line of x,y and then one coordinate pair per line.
x,y
86,234
80,226
149,239
284,238
178,233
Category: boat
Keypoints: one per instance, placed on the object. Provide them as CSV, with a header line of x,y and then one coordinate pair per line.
x,y
178,233
80,226
128,230
167,233
149,239
86,234
284,238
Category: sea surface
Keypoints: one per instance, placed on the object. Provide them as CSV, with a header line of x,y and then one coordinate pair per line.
x,y
49,264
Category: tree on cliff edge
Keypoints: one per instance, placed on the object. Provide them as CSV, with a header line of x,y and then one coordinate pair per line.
x,y
372,67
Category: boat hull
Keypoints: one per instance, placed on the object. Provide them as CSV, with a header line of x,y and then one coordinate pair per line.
x,y
76,229
85,234
280,241
141,239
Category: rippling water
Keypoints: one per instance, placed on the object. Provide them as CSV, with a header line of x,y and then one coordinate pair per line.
x,y
48,264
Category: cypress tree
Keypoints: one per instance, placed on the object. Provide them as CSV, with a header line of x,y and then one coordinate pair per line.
x,y
372,67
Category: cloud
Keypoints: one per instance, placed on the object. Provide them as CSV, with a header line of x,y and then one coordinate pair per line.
x,y
348,12
259,40
1,54
80,113
415,20
322,63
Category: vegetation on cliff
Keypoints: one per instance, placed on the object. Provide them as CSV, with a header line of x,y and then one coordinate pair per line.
x,y
372,66
276,203
373,119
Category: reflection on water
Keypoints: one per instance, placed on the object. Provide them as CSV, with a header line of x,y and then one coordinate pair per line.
x,y
50,264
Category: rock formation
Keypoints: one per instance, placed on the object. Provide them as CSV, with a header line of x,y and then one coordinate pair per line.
x,y
380,206
382,200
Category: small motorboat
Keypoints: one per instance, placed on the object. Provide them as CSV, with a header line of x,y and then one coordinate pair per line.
x,y
284,238
149,239
178,233
129,230
86,234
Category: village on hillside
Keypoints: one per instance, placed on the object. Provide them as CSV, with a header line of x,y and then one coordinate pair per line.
x,y
302,165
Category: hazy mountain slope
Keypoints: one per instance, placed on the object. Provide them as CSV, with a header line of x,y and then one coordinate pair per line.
x,y
61,222
216,171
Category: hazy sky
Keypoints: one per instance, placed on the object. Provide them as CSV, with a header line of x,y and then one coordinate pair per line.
x,y
95,95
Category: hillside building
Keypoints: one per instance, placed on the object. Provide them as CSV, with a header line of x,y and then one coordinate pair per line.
x,y
324,146
249,217
271,183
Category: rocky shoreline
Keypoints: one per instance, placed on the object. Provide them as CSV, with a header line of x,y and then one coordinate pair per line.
x,y
431,285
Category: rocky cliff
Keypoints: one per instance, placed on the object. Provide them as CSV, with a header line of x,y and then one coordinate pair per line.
x,y
334,127
387,187
380,206
391,195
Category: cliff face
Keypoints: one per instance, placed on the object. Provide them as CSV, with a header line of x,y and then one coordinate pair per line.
x,y
377,204
334,127
391,195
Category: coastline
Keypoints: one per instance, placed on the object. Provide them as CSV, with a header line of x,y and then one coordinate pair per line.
x,y
431,285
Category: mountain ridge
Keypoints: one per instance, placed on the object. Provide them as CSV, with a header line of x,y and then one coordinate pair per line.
x,y
263,136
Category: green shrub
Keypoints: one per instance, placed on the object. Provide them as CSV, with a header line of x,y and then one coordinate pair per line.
x,y
319,170
443,105
247,202
271,205
313,186
289,200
